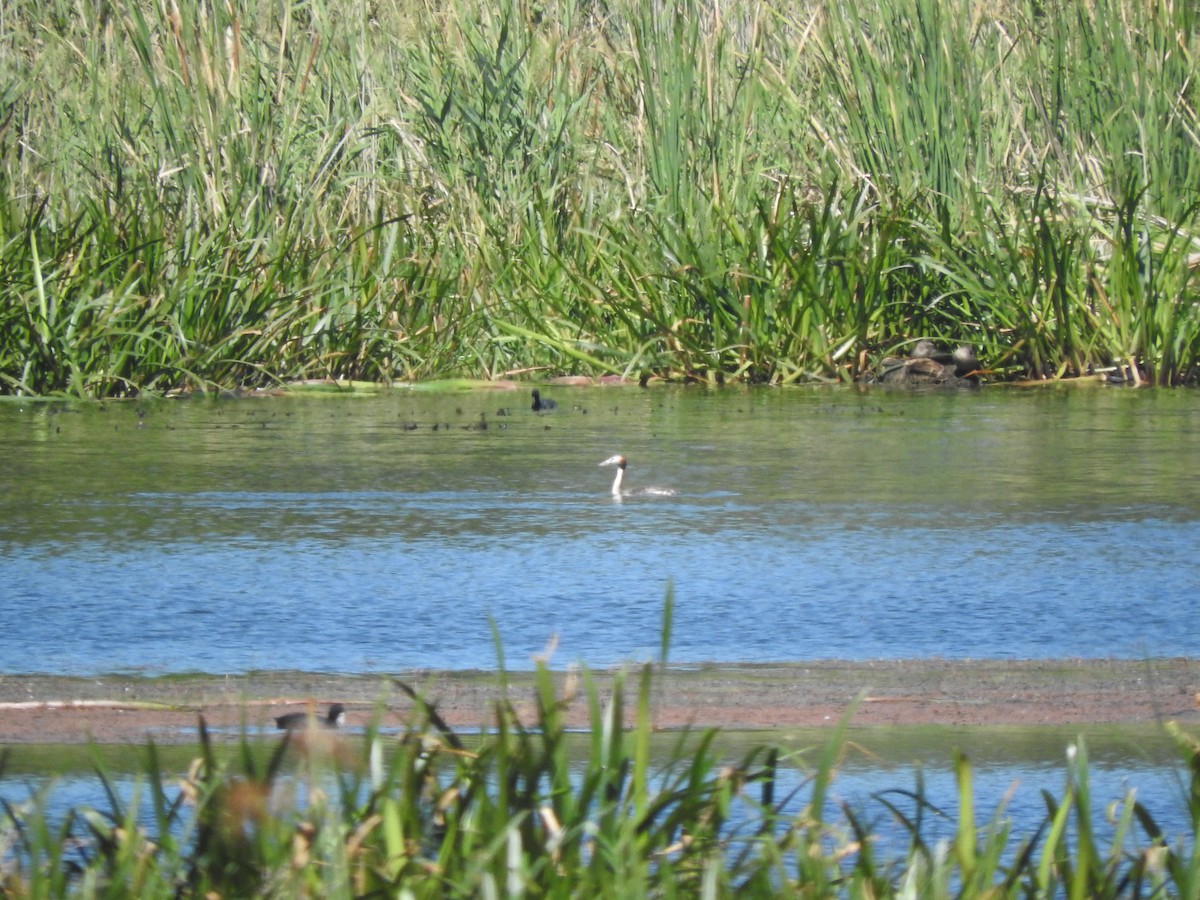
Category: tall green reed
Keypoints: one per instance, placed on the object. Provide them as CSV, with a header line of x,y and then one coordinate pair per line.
x,y
244,193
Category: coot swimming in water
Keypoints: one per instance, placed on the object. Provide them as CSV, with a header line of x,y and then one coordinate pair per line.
x,y
336,716
541,403
621,462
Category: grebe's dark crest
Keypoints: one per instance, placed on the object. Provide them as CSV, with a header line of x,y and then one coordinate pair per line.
x,y
335,717
621,462
541,403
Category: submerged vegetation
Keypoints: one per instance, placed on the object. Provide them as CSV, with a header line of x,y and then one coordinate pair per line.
x,y
522,811
239,192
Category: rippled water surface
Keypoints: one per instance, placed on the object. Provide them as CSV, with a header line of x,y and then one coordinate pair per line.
x,y
349,534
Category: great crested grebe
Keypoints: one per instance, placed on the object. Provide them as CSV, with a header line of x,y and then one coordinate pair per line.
x,y
335,717
621,462
541,403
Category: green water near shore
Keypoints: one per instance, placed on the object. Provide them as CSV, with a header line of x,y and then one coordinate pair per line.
x,y
873,748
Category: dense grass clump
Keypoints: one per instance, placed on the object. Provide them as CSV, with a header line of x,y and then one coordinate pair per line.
x,y
524,811
242,192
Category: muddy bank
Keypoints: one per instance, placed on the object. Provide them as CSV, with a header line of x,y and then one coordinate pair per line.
x,y
120,709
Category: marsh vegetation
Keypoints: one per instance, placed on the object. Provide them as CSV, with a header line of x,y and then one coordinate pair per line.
x,y
196,194
532,810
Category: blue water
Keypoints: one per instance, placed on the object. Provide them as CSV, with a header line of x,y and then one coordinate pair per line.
x,y
417,589
324,534
349,535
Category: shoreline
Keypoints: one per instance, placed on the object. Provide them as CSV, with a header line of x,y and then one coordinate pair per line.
x,y
120,708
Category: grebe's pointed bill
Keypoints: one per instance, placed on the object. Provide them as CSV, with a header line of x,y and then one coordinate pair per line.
x,y
617,460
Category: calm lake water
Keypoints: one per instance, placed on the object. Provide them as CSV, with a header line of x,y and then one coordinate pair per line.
x,y
350,534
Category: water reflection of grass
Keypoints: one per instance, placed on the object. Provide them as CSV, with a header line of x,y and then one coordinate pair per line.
x,y
872,747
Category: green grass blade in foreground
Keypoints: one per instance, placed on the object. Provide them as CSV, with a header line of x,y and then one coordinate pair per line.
x,y
964,838
668,617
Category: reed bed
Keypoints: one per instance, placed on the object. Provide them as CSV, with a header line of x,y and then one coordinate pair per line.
x,y
519,811
200,193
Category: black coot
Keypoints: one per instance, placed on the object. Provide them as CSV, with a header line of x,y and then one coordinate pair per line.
x,y
540,403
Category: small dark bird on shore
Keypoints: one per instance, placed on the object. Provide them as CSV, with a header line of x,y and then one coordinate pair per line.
x,y
540,403
290,721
